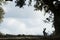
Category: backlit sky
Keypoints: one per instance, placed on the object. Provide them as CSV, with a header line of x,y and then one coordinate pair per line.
x,y
24,20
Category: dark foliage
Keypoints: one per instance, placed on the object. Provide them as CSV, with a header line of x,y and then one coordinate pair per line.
x,y
27,37
20,3
8,0
29,2
1,14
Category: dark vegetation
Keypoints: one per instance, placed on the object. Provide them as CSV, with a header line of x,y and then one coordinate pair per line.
x,y
1,14
27,37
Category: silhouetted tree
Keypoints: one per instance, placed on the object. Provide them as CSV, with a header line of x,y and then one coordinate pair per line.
x,y
1,14
2,10
48,5
29,2
8,0
20,3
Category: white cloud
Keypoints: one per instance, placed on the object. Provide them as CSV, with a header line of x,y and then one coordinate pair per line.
x,y
25,26
4,30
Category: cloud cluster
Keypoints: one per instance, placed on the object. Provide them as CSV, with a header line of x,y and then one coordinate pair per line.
x,y
25,26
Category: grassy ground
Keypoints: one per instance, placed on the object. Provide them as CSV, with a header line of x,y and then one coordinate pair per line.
x,y
28,37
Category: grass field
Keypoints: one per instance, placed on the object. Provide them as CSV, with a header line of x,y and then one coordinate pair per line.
x,y
28,37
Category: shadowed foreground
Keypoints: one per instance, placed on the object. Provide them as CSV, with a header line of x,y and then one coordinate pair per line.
x,y
28,37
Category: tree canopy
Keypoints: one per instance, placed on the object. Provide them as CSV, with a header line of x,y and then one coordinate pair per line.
x,y
47,4
1,11
1,14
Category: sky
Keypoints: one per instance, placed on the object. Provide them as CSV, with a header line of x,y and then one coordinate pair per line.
x,y
24,20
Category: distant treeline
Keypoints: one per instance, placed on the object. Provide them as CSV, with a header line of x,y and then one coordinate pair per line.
x,y
10,35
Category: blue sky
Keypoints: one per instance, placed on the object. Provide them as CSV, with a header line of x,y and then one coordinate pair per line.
x,y
24,20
